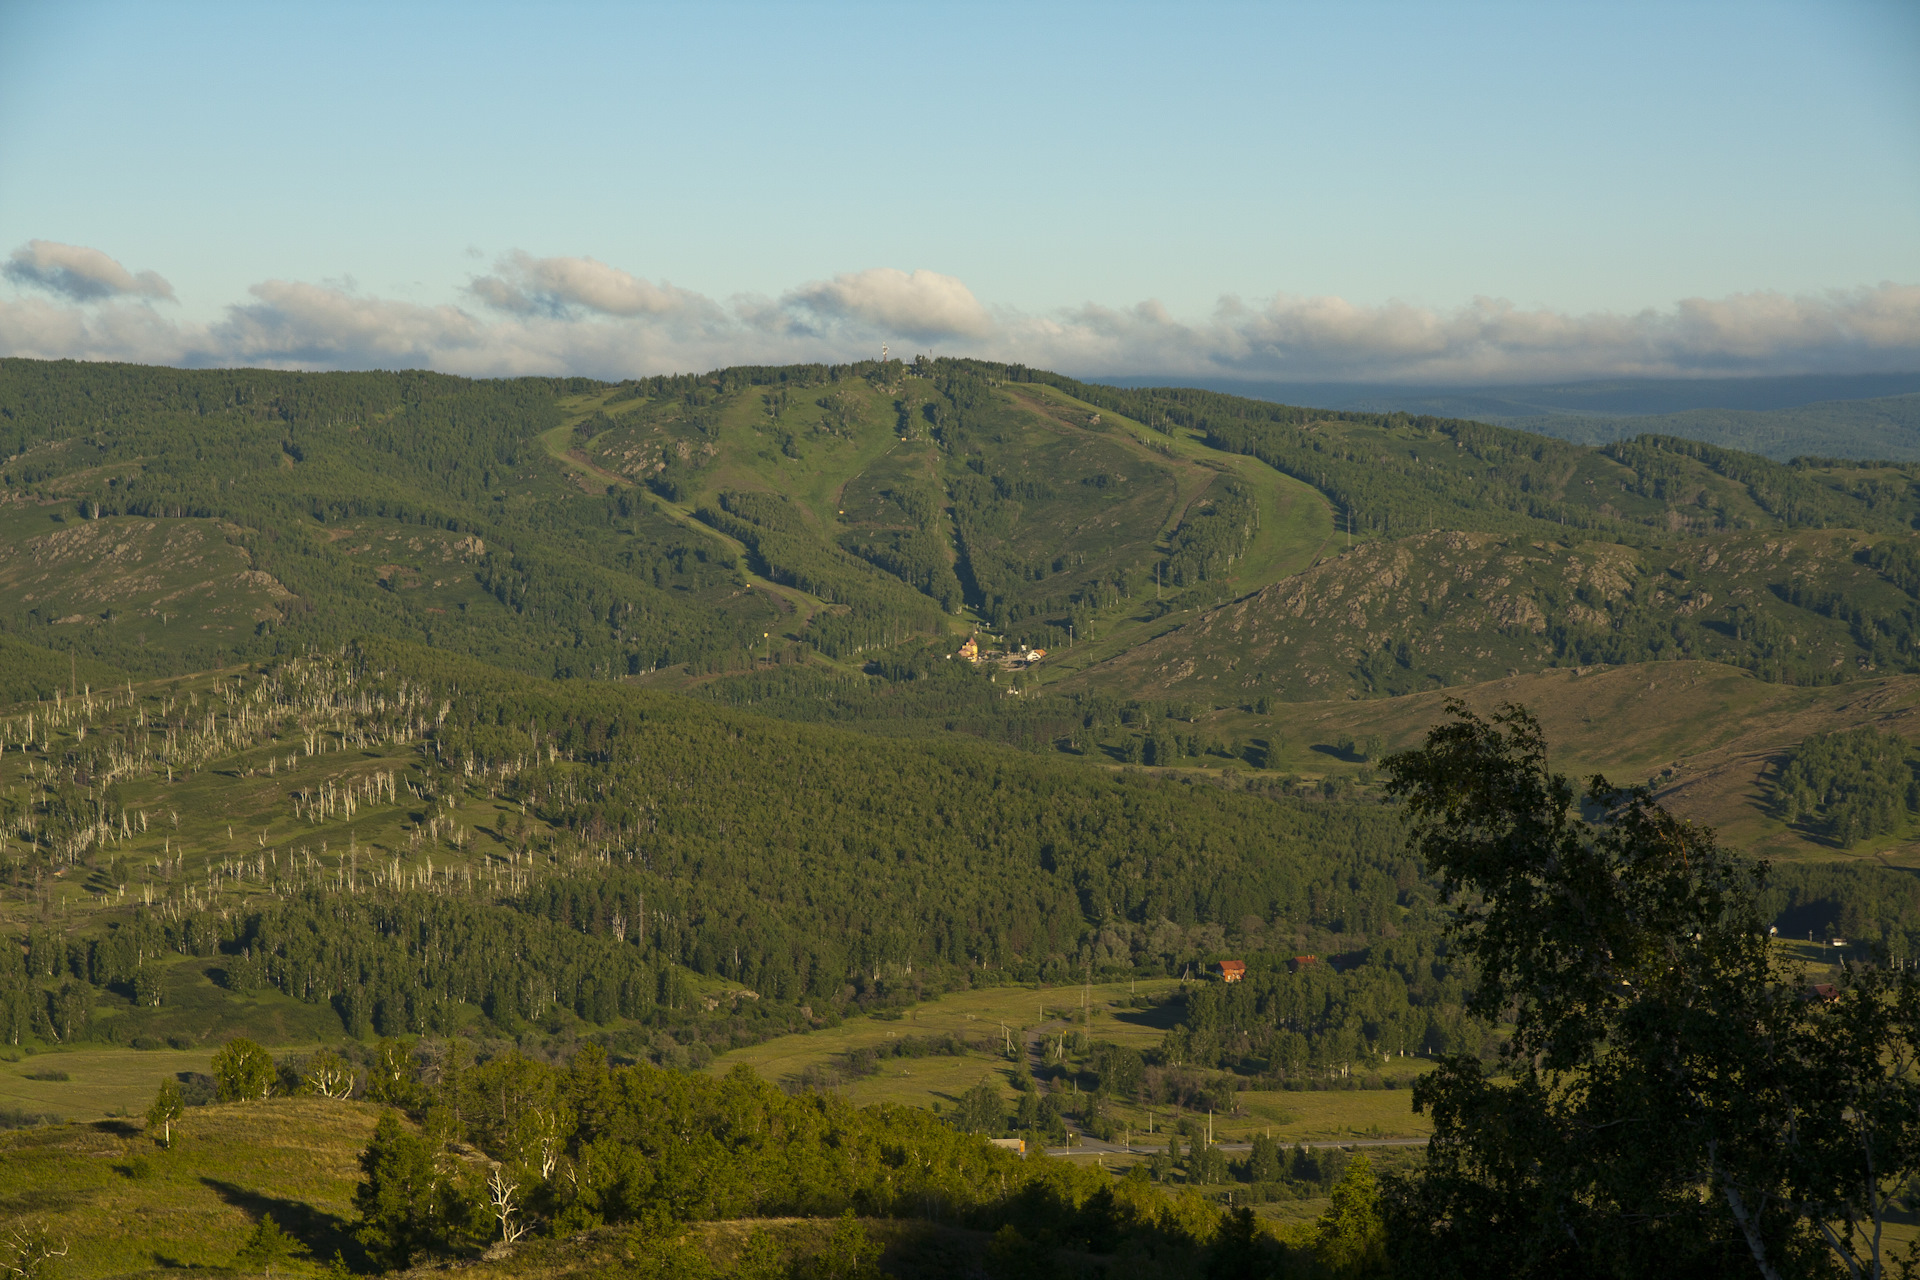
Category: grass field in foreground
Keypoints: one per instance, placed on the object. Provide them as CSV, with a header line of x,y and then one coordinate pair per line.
x,y
124,1207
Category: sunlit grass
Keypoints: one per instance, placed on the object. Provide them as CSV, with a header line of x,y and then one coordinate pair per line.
x,y
125,1207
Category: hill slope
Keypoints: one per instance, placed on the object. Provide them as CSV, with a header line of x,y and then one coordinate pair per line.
x,y
812,542
1395,617
169,521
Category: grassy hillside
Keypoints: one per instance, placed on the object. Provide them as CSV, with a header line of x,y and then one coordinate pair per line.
x,y
1710,738
123,1207
112,1203
954,1043
1396,617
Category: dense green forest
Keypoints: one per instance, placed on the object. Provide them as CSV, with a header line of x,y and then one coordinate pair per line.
x,y
279,462
634,839
1849,786
633,848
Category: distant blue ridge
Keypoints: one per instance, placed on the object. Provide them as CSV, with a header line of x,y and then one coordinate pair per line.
x,y
1611,397
1864,416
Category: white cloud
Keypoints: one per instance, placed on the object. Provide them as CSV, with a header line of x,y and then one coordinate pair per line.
x,y
82,274
579,315
292,325
923,304
1488,340
526,284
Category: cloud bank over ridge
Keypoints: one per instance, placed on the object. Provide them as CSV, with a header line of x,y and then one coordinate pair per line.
x,y
558,315
80,274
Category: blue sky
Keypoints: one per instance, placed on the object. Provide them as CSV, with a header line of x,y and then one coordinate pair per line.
x,y
1375,190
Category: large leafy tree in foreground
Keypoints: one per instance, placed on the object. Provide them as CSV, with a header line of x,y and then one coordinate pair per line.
x,y
1675,1102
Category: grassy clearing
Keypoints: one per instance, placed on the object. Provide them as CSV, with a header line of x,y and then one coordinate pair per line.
x,y
590,473
101,1082
1295,1116
1296,523
1330,1115
127,1208
991,1015
980,1016
827,460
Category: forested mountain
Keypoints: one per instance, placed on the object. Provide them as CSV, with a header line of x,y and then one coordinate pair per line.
x,y
671,718
167,521
814,543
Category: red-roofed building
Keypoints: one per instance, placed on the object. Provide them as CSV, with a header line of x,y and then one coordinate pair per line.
x,y
1232,970
1298,963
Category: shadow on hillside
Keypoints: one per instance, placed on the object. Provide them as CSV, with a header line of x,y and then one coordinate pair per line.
x,y
324,1233
1162,1017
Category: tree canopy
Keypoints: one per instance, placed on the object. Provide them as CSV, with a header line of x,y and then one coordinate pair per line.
x,y
1674,1103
